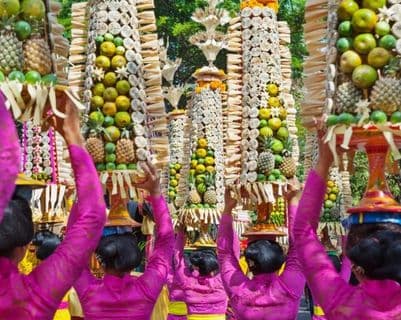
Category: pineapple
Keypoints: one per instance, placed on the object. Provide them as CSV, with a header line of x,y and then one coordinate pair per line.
x,y
210,196
125,152
346,97
11,52
266,158
95,147
194,197
386,93
37,54
288,167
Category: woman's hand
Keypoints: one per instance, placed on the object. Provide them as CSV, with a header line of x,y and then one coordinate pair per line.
x,y
325,155
229,201
151,181
69,127
293,194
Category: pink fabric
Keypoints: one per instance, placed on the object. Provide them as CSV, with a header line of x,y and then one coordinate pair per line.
x,y
266,296
38,295
9,156
131,297
203,294
345,273
371,300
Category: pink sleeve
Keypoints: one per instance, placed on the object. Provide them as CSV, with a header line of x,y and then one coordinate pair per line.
x,y
178,258
293,276
9,156
230,270
159,263
53,277
346,267
324,281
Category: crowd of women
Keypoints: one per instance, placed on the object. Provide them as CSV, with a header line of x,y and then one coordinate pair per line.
x,y
206,285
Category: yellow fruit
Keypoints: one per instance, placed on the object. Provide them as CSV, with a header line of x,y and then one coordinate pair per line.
x,y
173,172
192,172
110,79
123,103
123,87
266,132
283,113
275,123
210,169
326,197
109,109
209,161
177,176
330,184
200,168
332,197
194,163
118,62
98,89
274,102
202,142
272,89
177,166
335,190
201,153
110,94
102,62
265,114
108,49
112,134
122,119
96,102
173,183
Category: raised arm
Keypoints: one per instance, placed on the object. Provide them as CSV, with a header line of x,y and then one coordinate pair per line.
x,y
230,270
56,274
293,276
323,280
159,263
9,156
178,268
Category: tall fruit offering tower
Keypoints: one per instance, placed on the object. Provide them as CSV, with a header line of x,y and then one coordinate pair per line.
x,y
261,115
116,68
205,164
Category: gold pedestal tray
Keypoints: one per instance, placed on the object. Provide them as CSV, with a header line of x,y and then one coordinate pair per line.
x,y
375,141
119,184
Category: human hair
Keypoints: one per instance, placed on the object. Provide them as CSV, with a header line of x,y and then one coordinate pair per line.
x,y
46,243
358,232
119,252
205,260
16,229
335,260
379,254
266,256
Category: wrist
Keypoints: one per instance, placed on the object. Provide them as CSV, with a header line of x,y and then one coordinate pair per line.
x,y
155,192
74,138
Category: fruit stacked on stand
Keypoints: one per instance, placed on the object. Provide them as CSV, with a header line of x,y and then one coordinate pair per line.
x,y
331,207
33,52
174,180
274,161
277,216
216,84
110,118
202,177
262,151
369,48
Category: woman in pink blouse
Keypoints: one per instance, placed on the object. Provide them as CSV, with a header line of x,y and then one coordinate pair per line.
x,y
376,258
119,295
38,295
204,292
266,296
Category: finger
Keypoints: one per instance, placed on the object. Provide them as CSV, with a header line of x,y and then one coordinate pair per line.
x,y
148,171
151,167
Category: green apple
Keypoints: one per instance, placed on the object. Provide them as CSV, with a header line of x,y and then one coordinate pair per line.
x,y
378,57
349,61
346,9
373,4
388,42
364,76
382,28
364,20
345,29
344,44
364,43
